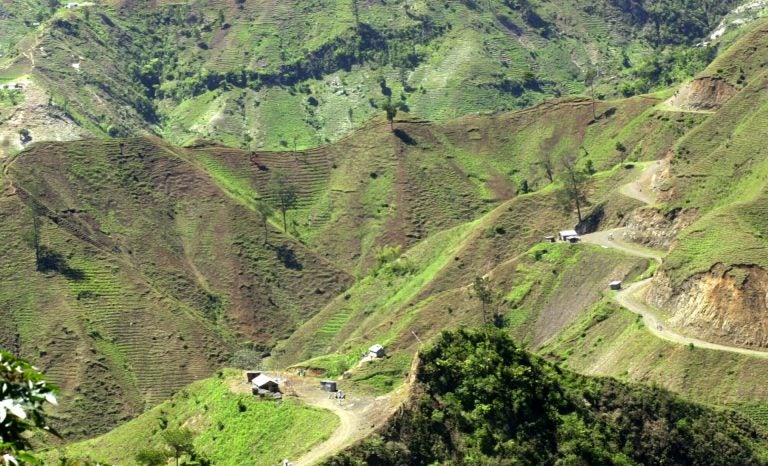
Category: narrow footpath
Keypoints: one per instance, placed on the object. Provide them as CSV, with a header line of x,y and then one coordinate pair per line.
x,y
631,296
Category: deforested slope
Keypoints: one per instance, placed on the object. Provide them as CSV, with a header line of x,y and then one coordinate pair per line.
x,y
256,74
152,251
713,279
148,275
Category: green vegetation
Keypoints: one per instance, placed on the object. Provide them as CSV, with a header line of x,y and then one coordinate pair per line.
x,y
397,199
228,428
483,399
23,394
302,74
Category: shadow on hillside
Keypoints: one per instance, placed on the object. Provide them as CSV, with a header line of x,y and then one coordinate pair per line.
x,y
405,137
52,261
288,258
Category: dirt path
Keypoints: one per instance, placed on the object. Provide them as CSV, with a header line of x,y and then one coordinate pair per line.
x,y
358,415
631,297
641,189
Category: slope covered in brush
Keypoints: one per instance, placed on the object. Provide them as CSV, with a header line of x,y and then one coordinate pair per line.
x,y
480,399
713,195
258,74
144,275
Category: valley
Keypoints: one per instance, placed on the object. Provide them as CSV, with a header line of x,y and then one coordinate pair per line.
x,y
193,189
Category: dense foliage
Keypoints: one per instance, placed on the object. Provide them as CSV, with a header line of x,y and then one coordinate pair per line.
x,y
23,392
482,400
676,21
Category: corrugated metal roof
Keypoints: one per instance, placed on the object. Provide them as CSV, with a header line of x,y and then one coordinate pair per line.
x,y
262,380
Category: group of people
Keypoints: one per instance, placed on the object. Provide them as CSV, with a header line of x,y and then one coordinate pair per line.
x,y
339,395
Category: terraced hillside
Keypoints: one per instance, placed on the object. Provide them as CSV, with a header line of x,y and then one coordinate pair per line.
x,y
713,280
263,75
150,251
154,283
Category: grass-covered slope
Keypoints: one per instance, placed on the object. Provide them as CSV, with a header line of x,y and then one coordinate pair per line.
x,y
151,276
536,292
609,341
230,427
159,250
481,399
258,74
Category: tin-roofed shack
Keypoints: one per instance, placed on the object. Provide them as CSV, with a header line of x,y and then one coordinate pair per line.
x,y
328,385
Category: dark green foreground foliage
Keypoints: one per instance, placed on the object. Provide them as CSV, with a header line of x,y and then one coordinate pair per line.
x,y
481,400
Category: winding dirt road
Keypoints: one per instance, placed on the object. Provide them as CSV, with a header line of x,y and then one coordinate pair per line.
x,y
628,298
631,297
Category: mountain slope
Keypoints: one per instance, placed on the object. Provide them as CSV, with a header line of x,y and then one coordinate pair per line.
x,y
712,282
254,74
480,397
149,284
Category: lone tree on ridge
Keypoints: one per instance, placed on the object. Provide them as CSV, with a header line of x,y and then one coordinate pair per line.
x,y
265,211
285,193
574,193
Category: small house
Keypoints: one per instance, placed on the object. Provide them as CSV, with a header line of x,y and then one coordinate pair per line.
x,y
569,235
250,375
615,285
265,383
376,351
328,385
549,239
71,5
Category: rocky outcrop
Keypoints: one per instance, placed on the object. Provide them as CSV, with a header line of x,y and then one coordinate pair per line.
x,y
727,305
656,229
702,94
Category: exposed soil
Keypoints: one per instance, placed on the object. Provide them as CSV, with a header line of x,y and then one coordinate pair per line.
x,y
44,122
703,94
633,297
359,415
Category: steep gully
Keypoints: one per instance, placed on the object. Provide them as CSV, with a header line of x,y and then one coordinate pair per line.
x,y
631,297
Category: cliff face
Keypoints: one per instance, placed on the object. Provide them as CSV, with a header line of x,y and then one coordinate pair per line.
x,y
702,94
728,305
655,229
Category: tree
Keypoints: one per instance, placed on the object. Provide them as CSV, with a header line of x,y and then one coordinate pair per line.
x,y
574,185
391,110
285,193
23,394
265,211
482,291
356,14
546,162
151,457
33,237
589,80
180,442
24,135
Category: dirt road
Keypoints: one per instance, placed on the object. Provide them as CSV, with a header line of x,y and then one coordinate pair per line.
x,y
631,297
628,298
642,188
612,239
358,415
